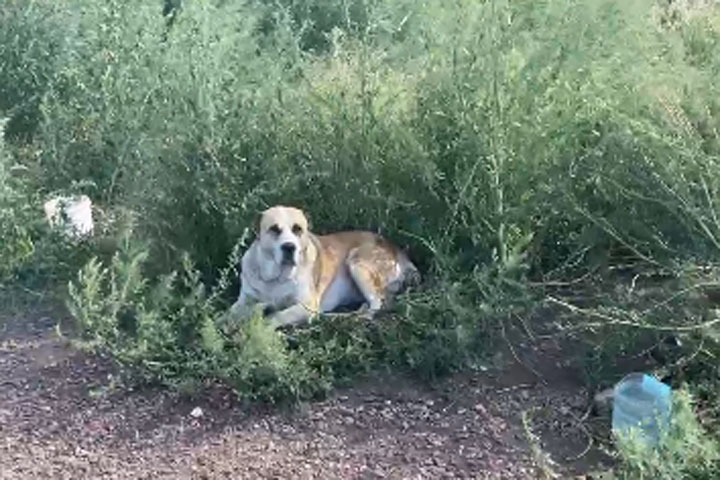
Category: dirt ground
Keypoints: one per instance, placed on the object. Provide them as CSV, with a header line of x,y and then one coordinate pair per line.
x,y
63,416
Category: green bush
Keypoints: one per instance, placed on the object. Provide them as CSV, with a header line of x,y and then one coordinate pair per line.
x,y
31,37
481,125
16,242
174,330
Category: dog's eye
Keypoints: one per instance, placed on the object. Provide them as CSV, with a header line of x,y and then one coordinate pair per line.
x,y
297,230
275,230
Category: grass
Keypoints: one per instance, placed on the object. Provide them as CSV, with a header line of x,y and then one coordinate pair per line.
x,y
511,147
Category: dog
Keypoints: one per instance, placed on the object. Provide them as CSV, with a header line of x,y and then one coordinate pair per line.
x,y
295,275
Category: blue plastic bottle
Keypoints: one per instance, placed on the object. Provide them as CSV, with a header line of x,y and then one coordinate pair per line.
x,y
641,405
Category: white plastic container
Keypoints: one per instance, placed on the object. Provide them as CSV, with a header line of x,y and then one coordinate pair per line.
x,y
72,214
641,408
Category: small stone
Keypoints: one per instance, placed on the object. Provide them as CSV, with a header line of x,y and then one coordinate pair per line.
x,y
196,412
605,397
602,402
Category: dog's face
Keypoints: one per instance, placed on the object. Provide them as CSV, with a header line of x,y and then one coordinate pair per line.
x,y
284,236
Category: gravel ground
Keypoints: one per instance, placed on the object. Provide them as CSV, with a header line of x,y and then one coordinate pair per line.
x,y
63,417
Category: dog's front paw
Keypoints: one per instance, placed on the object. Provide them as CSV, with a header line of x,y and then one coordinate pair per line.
x,y
233,320
366,313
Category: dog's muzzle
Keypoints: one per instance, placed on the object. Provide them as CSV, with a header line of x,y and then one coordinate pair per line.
x,y
288,253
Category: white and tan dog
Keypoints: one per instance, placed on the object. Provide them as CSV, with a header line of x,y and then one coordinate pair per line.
x,y
296,274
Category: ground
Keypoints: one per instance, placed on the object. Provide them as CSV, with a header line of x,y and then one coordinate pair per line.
x,y
62,415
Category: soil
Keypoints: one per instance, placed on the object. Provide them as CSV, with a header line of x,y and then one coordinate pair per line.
x,y
64,414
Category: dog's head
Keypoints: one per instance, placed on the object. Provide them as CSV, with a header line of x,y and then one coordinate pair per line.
x,y
283,237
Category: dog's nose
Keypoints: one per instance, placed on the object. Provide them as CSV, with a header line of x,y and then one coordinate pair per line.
x,y
288,248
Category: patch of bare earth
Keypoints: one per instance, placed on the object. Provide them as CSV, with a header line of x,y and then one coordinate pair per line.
x,y
61,418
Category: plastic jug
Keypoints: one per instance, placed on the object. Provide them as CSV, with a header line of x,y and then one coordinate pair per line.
x,y
641,408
